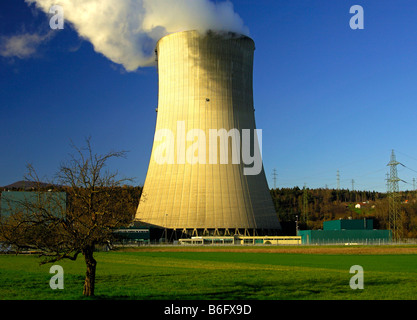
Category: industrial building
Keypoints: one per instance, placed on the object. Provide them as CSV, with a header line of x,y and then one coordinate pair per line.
x,y
356,231
18,201
205,86
242,240
133,235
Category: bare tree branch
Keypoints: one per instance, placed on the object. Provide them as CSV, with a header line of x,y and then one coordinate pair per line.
x,y
95,203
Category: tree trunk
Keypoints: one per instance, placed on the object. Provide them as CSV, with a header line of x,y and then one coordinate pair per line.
x,y
90,276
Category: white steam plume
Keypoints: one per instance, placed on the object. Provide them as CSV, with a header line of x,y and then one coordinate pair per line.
x,y
126,31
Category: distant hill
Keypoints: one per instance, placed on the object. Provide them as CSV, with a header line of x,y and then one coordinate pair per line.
x,y
25,185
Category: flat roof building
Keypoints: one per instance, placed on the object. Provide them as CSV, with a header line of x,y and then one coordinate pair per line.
x,y
349,231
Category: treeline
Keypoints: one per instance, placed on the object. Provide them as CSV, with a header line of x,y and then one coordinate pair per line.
x,y
130,194
319,205
134,191
311,207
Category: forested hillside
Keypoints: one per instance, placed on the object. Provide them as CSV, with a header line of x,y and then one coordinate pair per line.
x,y
329,204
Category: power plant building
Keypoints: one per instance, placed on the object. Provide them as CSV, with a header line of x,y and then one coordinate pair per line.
x,y
199,180
346,231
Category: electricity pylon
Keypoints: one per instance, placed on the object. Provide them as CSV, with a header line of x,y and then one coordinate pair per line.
x,y
338,180
395,217
338,184
274,175
304,217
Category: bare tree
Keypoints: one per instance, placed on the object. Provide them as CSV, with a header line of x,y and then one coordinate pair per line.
x,y
95,203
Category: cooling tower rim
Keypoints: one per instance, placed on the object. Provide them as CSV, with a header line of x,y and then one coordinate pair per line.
x,y
225,34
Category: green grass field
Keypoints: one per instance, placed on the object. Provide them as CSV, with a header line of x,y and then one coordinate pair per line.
x,y
219,275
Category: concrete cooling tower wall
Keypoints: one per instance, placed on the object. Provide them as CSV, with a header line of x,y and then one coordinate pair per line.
x,y
198,181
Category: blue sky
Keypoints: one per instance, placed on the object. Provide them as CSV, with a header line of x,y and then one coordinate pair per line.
x,y
327,97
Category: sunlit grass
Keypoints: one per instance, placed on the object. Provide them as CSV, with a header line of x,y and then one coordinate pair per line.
x,y
214,275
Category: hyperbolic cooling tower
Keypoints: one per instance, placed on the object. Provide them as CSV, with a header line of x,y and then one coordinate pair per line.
x,y
205,82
